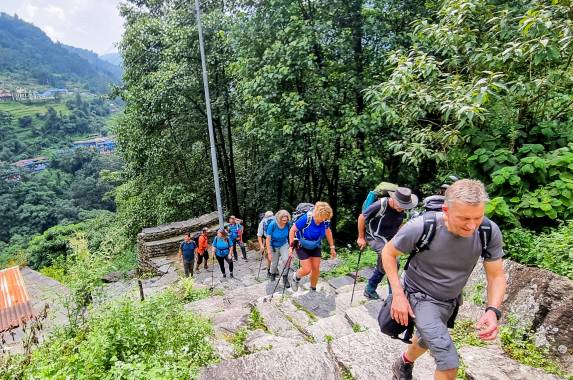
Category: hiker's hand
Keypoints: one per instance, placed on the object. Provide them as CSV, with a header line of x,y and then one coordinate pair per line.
x,y
290,250
361,243
487,326
332,253
401,309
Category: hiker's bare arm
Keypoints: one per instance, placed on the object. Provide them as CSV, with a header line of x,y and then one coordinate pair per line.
x,y
361,230
401,309
330,240
291,235
180,254
261,246
496,284
269,250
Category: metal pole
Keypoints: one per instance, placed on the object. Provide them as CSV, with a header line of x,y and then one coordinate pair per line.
x,y
209,118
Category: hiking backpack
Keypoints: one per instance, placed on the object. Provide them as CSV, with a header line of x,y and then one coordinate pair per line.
x,y
382,190
195,238
484,232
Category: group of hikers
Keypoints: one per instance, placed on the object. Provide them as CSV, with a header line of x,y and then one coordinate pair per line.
x,y
443,241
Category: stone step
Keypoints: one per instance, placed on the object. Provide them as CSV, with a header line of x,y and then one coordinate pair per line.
x,y
490,363
370,355
364,316
278,324
292,363
334,327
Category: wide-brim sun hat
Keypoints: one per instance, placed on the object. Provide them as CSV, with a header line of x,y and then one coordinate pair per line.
x,y
404,197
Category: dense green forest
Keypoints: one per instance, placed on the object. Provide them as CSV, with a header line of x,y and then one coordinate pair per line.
x,y
323,100
312,100
29,57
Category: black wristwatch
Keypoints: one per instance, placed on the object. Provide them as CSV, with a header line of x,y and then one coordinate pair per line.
x,y
495,310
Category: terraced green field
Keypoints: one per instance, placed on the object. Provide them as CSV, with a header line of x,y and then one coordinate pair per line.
x,y
21,109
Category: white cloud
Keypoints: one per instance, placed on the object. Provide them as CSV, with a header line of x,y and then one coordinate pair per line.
x,y
89,24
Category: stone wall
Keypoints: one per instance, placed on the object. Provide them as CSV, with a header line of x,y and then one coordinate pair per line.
x,y
164,239
540,299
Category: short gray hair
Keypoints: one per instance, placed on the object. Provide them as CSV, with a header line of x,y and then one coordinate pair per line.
x,y
282,213
469,191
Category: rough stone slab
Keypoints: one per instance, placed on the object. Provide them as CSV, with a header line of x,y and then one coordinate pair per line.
x,y
366,272
361,316
328,265
322,303
339,282
232,319
276,321
370,354
291,308
259,340
335,327
539,299
293,363
343,298
490,363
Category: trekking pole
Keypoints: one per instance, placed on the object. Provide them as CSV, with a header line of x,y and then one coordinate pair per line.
x,y
212,273
282,272
288,269
260,263
356,276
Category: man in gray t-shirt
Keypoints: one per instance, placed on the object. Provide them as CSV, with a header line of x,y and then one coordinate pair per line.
x,y
436,276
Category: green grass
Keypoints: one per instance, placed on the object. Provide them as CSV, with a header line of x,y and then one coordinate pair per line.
x,y
238,342
309,313
256,320
349,260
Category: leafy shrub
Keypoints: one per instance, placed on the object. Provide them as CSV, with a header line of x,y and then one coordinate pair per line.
x,y
128,339
551,250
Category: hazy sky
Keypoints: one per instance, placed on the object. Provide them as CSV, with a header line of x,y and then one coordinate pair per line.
x,y
89,24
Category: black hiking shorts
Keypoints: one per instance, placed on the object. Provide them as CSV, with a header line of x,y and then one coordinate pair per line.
x,y
305,254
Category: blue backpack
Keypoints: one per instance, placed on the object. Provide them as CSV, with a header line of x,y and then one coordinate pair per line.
x,y
382,190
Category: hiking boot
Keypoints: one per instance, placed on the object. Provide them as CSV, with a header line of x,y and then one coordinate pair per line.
x,y
312,289
372,295
273,277
231,275
401,370
268,273
285,281
224,275
295,282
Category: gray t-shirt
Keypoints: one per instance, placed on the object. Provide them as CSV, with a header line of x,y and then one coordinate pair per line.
x,y
261,230
443,269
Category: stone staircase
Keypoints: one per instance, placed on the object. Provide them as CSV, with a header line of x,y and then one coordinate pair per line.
x,y
318,335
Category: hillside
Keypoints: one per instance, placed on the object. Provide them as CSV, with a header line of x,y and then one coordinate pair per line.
x,y
113,58
29,58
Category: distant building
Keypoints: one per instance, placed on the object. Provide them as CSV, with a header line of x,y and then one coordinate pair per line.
x,y
53,92
5,95
101,144
33,165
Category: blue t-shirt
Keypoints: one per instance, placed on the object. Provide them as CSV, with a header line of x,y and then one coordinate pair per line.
x,y
188,250
222,247
234,231
314,232
279,236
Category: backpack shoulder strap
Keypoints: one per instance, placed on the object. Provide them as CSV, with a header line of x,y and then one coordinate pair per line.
x,y
427,236
484,232
383,206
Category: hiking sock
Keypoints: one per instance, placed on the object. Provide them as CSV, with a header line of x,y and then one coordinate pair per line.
x,y
405,359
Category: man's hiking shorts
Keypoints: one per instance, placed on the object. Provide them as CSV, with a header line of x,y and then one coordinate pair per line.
x,y
304,253
431,318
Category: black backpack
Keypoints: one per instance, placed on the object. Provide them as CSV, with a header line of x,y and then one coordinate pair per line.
x,y
484,232
195,238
